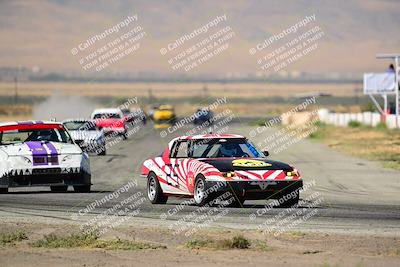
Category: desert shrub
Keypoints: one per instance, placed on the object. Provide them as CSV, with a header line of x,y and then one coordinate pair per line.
x,y
354,124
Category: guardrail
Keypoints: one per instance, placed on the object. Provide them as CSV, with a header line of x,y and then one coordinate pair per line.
x,y
366,118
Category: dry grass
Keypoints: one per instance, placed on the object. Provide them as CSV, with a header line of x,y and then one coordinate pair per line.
x,y
10,238
91,240
19,112
237,242
375,144
24,111
174,90
15,118
243,98
15,110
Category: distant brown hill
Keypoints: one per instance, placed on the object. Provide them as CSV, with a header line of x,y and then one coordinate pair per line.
x,y
42,33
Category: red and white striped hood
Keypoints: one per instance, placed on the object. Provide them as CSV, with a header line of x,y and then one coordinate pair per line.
x,y
252,169
222,169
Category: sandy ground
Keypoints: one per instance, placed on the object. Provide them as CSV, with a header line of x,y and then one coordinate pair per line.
x,y
357,224
289,249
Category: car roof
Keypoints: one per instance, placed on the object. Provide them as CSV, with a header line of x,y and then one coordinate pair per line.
x,y
107,110
77,120
165,107
12,123
210,136
29,125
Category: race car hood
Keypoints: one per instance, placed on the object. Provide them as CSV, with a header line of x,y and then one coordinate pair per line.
x,y
163,115
40,148
112,123
85,135
233,164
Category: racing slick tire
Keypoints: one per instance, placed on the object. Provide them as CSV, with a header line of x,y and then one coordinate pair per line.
x,y
4,190
102,152
154,191
289,202
59,189
125,134
201,197
82,188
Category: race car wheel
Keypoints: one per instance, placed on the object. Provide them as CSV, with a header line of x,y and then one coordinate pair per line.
x,y
237,202
124,135
154,191
62,188
102,152
200,194
289,202
82,188
4,190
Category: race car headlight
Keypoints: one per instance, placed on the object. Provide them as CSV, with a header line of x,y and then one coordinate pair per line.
x,y
293,173
228,174
25,160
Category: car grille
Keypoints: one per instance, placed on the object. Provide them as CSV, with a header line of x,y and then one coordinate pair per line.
x,y
47,171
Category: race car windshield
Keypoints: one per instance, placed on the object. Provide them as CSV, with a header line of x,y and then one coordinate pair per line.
x,y
125,111
107,116
223,148
80,126
42,135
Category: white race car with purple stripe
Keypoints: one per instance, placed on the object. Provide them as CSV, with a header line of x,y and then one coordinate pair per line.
x,y
36,153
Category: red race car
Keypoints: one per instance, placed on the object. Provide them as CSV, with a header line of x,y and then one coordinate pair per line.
x,y
111,120
192,165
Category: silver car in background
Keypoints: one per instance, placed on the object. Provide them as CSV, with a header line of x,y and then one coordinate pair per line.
x,y
87,135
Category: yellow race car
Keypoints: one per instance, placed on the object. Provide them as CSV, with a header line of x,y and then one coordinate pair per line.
x,y
164,116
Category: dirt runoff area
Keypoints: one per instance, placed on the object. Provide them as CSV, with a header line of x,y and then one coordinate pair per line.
x,y
44,244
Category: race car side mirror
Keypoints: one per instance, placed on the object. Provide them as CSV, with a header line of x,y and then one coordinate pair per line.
x,y
266,153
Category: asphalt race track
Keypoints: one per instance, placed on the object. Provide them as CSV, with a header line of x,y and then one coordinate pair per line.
x,y
356,195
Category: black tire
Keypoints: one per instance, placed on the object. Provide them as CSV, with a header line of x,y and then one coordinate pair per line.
x,y
237,202
290,200
103,152
154,191
124,136
82,188
4,190
201,197
59,189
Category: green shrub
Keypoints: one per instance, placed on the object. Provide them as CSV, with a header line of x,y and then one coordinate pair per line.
x,y
198,243
91,240
240,242
320,133
354,124
71,241
381,126
237,242
320,124
11,238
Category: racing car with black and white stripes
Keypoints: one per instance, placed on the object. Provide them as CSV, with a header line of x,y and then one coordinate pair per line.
x,y
87,135
39,153
192,165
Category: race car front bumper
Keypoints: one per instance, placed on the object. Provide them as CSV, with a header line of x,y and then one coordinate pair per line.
x,y
112,130
91,145
45,177
253,190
